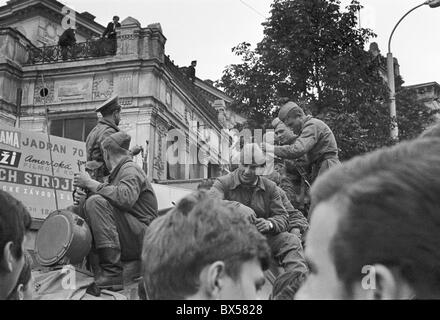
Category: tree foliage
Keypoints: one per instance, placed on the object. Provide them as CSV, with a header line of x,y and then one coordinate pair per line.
x,y
314,52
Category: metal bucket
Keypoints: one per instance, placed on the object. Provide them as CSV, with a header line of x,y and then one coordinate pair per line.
x,y
64,238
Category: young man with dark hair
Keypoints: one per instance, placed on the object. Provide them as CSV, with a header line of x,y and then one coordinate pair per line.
x,y
375,230
110,31
203,249
14,222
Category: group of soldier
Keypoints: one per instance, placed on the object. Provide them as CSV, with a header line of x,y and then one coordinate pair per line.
x,y
114,195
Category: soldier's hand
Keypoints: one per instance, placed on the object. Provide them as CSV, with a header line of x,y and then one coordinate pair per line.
x,y
79,196
136,150
263,225
81,180
296,232
268,148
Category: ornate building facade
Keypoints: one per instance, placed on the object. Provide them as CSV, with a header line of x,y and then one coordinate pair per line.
x,y
155,95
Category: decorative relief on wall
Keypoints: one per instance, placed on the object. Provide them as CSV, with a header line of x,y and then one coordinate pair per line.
x,y
158,162
102,87
125,84
168,98
48,88
73,90
126,101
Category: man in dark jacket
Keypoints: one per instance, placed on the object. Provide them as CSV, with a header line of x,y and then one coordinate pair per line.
x,y
294,173
110,31
118,212
111,116
191,71
316,140
260,196
66,42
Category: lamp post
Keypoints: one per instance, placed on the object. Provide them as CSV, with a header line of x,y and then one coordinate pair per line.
x,y
390,70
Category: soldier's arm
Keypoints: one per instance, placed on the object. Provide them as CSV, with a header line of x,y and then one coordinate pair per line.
x,y
217,190
303,144
124,194
279,216
296,218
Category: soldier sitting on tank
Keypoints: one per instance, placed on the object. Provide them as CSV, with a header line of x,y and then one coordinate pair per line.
x,y
118,211
260,197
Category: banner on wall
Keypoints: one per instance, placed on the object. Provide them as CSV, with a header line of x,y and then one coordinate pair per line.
x,y
26,173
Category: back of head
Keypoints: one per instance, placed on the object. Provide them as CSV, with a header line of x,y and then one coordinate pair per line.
x,y
195,234
14,222
389,208
117,143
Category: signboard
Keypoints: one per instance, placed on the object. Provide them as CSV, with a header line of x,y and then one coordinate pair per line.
x,y
26,173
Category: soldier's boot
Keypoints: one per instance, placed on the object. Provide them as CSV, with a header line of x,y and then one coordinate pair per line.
x,y
111,275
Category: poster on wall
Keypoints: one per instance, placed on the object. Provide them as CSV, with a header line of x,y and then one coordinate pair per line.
x,y
26,169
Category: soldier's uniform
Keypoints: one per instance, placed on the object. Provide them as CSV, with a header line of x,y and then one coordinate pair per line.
x,y
295,176
95,162
316,140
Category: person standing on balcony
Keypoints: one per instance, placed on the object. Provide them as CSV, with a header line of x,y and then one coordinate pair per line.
x,y
110,31
66,41
191,71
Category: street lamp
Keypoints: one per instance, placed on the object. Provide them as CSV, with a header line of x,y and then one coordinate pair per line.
x,y
390,69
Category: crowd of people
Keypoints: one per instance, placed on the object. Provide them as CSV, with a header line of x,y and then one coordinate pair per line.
x,y
366,228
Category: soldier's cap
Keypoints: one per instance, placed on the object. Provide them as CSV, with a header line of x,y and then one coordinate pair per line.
x,y
111,104
117,141
276,122
288,108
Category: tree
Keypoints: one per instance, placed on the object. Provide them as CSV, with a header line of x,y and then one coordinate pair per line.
x,y
313,52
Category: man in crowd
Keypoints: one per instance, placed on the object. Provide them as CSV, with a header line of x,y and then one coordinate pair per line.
x,y
375,230
110,31
204,250
316,140
119,211
260,198
15,221
294,173
191,71
66,42
107,125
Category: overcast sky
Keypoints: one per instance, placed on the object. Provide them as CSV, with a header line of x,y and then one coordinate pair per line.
x,y
206,30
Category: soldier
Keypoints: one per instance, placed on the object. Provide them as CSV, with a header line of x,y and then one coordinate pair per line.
x,y
259,198
316,140
118,211
111,116
294,174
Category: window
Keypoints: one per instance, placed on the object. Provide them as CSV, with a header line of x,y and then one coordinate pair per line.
x,y
73,128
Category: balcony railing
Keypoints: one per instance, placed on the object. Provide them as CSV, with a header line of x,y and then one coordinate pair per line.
x,y
80,51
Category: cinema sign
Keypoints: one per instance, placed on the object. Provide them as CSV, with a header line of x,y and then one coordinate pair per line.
x,y
26,169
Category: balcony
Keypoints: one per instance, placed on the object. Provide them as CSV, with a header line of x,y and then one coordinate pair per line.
x,y
81,51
